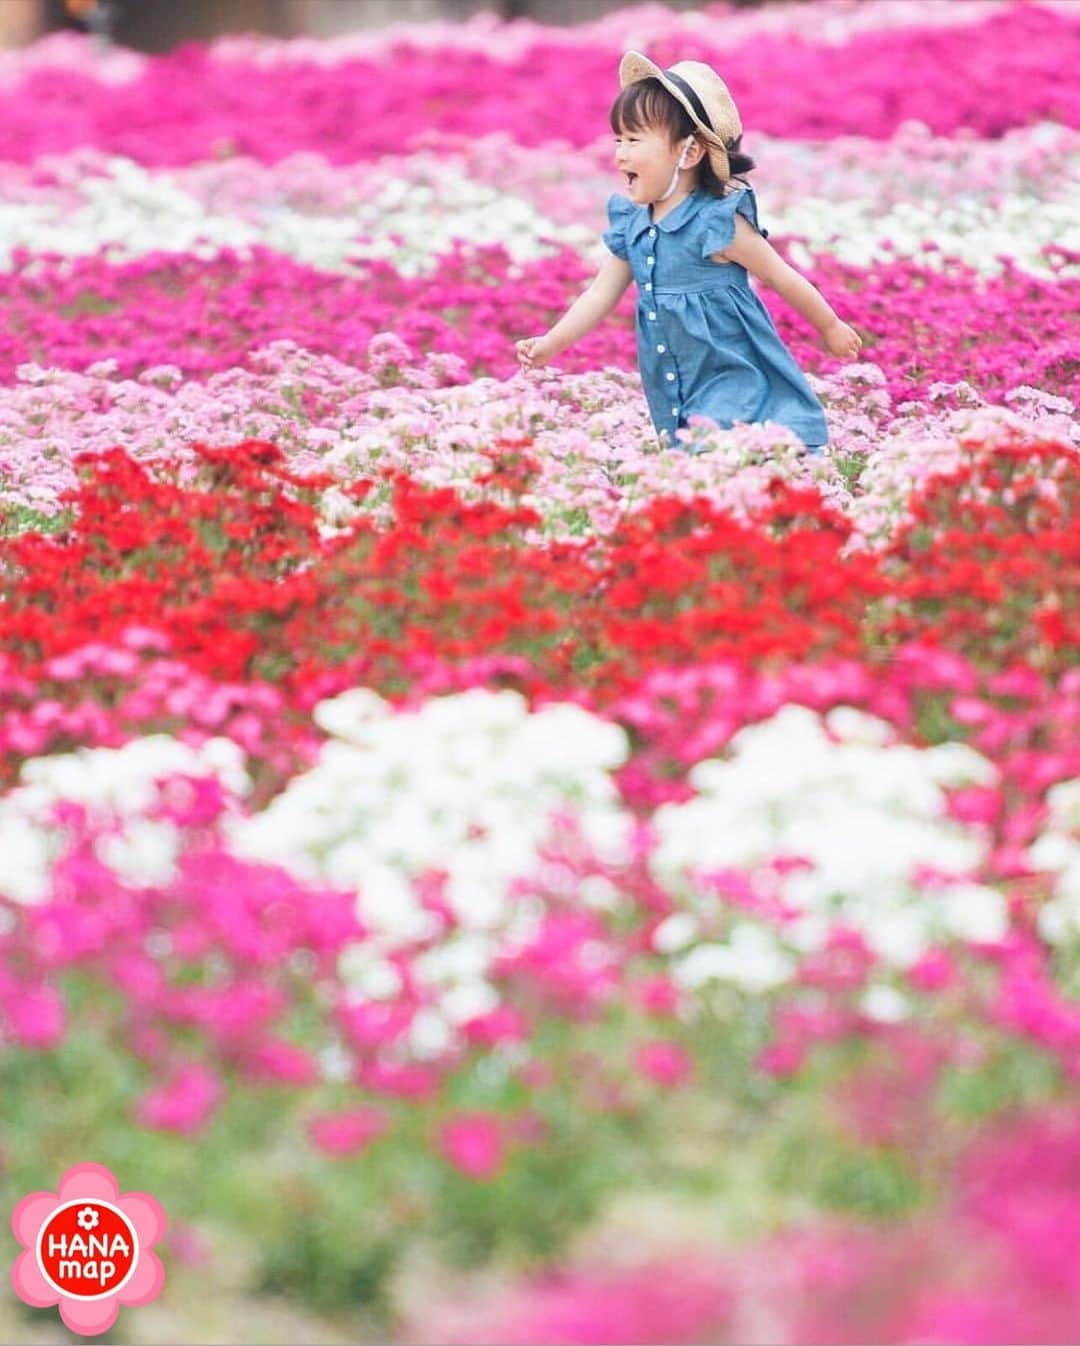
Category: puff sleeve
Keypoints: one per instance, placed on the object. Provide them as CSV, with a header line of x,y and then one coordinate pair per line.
x,y
719,220
619,210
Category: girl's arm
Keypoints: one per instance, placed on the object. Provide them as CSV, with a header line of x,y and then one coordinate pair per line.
x,y
765,264
605,290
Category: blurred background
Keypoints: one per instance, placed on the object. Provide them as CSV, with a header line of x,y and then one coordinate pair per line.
x,y
157,25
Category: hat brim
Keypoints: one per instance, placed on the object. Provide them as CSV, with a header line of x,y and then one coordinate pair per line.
x,y
635,67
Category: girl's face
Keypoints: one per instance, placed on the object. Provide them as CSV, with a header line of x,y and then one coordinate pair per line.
x,y
647,158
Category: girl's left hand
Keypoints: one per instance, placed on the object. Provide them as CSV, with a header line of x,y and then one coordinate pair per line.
x,y
842,340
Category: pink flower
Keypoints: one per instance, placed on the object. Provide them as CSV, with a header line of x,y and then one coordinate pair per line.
x,y
933,971
344,1133
278,1062
781,1058
182,1104
665,1063
401,1079
376,1023
657,995
504,1024
135,1218
472,1142
35,1017
975,804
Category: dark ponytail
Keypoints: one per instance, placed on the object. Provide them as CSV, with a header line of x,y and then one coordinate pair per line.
x,y
740,163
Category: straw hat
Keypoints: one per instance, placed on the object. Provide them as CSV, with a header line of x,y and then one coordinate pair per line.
x,y
701,92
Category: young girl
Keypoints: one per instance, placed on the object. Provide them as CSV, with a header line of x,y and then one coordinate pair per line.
x,y
689,237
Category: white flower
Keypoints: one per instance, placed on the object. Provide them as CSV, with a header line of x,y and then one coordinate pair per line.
x,y
429,1034
674,932
855,726
462,1003
368,973
865,813
885,1004
145,852
751,959
1057,852
899,934
29,852
1063,800
116,786
976,913
469,785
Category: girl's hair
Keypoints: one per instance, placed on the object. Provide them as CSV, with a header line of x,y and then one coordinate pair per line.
x,y
647,105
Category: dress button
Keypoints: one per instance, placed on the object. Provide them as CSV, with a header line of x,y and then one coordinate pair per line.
x,y
674,411
648,285
651,261
652,233
652,317
661,348
671,378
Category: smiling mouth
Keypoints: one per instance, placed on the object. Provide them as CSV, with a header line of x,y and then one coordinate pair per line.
x,y
631,178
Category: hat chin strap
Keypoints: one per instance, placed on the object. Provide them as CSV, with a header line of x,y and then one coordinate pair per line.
x,y
674,183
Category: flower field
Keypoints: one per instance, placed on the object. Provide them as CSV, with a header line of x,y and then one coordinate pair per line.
x,y
489,879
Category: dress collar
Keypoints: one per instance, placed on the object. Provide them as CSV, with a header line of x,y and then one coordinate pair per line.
x,y
674,219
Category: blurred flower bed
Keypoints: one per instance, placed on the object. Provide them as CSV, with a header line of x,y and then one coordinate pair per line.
x,y
487,878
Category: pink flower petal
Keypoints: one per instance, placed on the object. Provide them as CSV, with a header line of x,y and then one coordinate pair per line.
x,y
30,1214
89,1317
88,1180
29,1284
146,1281
146,1214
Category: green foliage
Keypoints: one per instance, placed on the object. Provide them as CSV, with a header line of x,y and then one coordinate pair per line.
x,y
16,519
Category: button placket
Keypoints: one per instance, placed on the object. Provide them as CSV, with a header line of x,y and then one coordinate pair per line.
x,y
668,367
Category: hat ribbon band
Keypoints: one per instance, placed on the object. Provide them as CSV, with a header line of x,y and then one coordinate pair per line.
x,y
694,101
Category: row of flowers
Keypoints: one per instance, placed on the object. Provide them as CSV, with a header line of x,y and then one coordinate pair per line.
x,y
251,620
591,441
446,879
992,1265
235,570
190,106
828,21
208,314
858,199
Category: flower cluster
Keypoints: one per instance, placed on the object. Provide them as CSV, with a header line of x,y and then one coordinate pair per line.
x,y
196,105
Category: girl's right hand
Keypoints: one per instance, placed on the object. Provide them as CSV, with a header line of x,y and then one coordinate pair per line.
x,y
532,353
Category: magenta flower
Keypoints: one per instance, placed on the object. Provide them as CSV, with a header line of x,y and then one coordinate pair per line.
x,y
346,1133
87,1248
665,1063
183,1103
473,1143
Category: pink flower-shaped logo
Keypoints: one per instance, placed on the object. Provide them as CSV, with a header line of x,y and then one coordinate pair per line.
x,y
88,1249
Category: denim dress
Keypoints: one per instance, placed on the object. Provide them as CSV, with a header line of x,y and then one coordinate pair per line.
x,y
706,343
